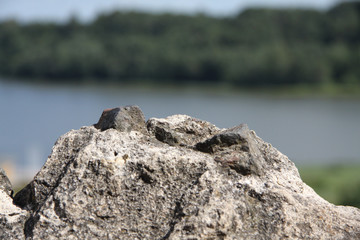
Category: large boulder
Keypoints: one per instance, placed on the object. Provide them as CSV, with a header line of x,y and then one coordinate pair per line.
x,y
174,178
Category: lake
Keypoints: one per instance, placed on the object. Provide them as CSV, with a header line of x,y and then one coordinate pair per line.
x,y
307,130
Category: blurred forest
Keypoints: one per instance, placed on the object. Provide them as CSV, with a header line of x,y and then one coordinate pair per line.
x,y
258,47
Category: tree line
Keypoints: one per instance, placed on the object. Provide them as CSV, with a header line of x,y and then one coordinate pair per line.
x,y
257,47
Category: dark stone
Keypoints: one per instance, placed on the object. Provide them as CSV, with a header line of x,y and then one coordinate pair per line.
x,y
124,119
184,132
234,148
243,163
233,136
25,197
166,137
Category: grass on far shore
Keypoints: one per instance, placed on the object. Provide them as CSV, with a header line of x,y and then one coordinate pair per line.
x,y
326,90
338,184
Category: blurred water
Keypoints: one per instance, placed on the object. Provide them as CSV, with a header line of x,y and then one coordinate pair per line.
x,y
307,130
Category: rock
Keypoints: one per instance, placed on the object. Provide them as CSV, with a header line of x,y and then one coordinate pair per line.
x,y
182,179
122,118
181,130
12,218
5,184
65,151
235,148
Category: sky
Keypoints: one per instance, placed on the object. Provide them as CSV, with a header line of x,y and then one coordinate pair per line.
x,y
86,10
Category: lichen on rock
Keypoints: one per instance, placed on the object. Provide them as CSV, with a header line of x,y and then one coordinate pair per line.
x,y
173,178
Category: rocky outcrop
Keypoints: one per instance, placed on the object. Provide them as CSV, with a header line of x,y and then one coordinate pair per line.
x,y
173,178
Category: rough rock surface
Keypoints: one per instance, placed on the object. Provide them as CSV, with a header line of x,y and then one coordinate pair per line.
x,y
181,130
174,178
124,119
5,184
12,218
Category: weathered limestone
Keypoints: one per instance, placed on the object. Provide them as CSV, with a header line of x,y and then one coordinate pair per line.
x,y
5,184
173,178
12,218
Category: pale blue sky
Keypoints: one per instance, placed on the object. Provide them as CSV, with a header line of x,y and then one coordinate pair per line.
x,y
60,10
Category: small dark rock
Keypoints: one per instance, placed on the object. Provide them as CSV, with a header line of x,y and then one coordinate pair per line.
x,y
124,119
233,136
180,130
166,137
243,163
25,197
234,148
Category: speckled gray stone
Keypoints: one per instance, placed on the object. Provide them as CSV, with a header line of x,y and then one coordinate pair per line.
x,y
12,218
182,178
5,183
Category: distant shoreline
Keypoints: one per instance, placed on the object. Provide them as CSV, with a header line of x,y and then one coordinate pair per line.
x,y
297,91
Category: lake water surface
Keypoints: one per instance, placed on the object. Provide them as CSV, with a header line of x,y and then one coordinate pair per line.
x,y
306,130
